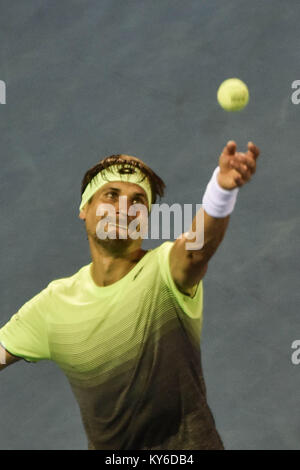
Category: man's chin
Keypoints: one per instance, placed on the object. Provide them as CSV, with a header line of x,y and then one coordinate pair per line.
x,y
115,233
117,240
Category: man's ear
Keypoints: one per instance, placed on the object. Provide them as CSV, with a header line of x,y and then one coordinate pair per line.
x,y
82,214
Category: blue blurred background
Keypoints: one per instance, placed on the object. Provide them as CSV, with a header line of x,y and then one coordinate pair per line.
x,y
87,79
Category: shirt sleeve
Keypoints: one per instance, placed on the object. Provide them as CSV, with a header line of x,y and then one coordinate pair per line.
x,y
25,334
192,306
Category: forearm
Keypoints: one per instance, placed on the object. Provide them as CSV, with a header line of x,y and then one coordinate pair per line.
x,y
2,358
190,254
211,221
6,358
213,229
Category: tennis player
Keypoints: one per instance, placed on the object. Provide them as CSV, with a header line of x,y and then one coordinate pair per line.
x,y
125,329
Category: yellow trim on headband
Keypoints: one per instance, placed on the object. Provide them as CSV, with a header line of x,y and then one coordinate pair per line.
x,y
113,175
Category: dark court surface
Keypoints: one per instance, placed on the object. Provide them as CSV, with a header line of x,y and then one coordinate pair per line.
x,y
86,79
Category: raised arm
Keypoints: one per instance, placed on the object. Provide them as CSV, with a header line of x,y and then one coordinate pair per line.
x,y
188,266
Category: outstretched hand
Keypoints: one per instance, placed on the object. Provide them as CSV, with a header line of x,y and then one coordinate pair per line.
x,y
237,168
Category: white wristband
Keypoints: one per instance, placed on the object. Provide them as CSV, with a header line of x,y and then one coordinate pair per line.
x,y
218,202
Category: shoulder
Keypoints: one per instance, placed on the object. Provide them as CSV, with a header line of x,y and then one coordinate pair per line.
x,y
67,283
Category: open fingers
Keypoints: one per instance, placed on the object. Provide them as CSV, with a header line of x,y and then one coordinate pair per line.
x,y
253,149
244,164
230,147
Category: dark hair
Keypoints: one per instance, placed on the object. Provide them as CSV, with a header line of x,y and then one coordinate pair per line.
x,y
125,165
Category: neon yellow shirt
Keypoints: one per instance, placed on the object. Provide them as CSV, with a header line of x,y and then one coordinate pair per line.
x,y
131,353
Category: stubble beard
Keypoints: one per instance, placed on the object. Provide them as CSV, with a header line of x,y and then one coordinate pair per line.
x,y
117,246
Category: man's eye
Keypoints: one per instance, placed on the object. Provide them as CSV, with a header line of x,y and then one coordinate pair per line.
x,y
138,200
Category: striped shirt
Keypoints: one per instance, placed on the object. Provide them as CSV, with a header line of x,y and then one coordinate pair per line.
x,y
130,351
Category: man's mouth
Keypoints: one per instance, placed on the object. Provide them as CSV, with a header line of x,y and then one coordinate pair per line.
x,y
117,225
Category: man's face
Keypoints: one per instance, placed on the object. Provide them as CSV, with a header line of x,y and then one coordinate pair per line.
x,y
108,212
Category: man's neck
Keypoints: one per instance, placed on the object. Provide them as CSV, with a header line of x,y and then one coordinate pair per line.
x,y
108,268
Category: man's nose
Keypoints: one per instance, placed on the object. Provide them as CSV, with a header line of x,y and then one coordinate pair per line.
x,y
121,208
122,205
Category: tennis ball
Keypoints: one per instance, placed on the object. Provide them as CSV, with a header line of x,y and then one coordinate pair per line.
x,y
233,94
